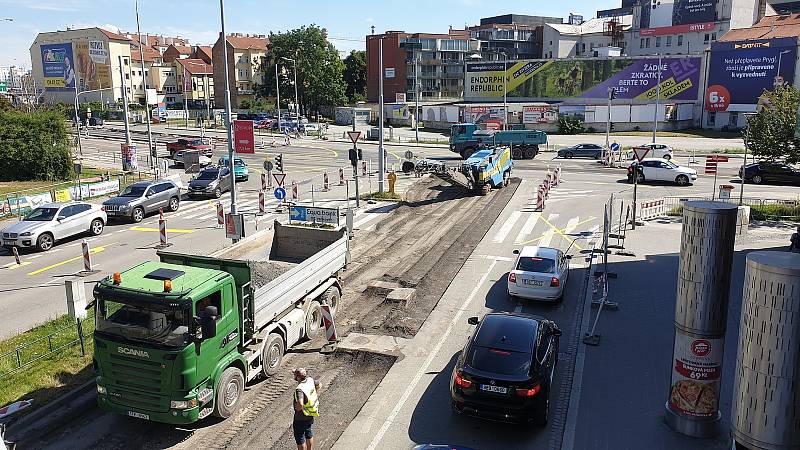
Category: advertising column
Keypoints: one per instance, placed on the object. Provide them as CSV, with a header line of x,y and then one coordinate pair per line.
x,y
709,231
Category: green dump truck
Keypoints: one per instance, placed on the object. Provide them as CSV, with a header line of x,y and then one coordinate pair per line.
x,y
177,339
467,138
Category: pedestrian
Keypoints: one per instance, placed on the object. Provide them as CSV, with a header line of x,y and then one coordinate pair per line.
x,y
287,138
306,407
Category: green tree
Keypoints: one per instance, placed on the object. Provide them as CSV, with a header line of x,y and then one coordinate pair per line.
x,y
355,75
770,132
5,103
319,69
34,146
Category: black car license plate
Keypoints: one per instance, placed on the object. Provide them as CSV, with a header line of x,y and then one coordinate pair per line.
x,y
496,389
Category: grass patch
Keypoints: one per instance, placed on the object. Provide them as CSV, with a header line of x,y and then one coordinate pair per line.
x,y
35,187
386,195
52,375
782,212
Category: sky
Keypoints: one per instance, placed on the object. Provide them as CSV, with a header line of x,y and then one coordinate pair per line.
x,y
347,21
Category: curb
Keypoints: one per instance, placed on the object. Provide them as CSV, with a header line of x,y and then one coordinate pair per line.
x,y
568,440
54,414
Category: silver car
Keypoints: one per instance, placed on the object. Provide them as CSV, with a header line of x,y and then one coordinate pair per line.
x,y
45,225
539,273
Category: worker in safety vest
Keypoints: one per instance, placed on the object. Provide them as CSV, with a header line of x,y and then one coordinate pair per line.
x,y
306,407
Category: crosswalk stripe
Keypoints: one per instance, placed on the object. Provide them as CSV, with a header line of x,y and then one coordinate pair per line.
x,y
502,233
546,238
528,227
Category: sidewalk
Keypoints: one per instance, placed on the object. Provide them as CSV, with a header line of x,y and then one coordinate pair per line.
x,y
620,402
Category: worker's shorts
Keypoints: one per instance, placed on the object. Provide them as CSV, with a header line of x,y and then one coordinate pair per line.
x,y
302,430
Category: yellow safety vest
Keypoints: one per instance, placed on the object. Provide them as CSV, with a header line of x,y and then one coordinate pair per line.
x,y
311,406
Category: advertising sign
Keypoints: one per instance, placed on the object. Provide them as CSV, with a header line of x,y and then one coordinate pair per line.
x,y
696,374
483,114
243,140
396,111
129,161
740,71
540,114
448,114
400,97
234,226
389,72
633,79
660,17
94,69
58,66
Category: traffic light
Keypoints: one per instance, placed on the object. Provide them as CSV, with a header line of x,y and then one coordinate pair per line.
x,y
279,162
611,126
360,155
612,93
353,156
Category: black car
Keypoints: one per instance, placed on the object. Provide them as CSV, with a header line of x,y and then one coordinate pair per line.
x,y
210,182
770,172
582,150
506,369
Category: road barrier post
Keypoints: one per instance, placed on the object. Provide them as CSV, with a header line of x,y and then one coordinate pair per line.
x,y
162,230
262,207
87,260
16,255
220,215
263,181
540,198
363,168
325,183
294,191
341,176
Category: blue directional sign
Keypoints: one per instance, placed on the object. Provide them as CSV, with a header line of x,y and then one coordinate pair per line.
x,y
297,213
614,147
280,193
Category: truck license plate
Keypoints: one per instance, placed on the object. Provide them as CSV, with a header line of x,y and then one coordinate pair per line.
x,y
138,415
490,388
536,283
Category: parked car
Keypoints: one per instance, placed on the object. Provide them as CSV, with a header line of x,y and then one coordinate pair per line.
x,y
291,126
582,150
770,172
656,151
189,144
539,273
211,182
506,368
240,169
263,124
96,122
180,158
658,169
49,223
142,198
309,127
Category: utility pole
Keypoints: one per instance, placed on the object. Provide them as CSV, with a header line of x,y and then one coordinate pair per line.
x,y
228,106
505,89
380,120
78,119
124,104
416,98
355,167
278,90
296,98
611,93
150,146
658,98
185,98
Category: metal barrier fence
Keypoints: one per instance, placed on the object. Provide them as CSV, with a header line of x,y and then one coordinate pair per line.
x,y
24,355
675,201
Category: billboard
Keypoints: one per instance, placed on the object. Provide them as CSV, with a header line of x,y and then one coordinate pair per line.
x,y
540,114
440,113
660,17
740,71
58,66
243,137
633,79
93,65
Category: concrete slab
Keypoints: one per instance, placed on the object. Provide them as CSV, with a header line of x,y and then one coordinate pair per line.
x,y
373,343
402,296
381,287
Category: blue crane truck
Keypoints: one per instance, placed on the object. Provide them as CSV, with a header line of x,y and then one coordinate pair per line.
x,y
467,138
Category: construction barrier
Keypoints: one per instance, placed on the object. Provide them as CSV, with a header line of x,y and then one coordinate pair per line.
x,y
220,215
87,257
540,198
162,229
651,209
330,325
16,255
263,182
294,190
325,184
262,206
341,177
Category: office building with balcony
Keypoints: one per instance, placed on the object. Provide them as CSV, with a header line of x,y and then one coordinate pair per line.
x,y
246,54
518,36
434,61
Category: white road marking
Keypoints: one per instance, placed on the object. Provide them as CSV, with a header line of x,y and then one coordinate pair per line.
x,y
425,366
571,225
528,227
502,233
546,238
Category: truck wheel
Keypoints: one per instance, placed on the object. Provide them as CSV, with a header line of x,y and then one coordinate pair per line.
x,y
331,298
529,153
229,392
408,167
516,154
313,320
467,152
506,178
272,355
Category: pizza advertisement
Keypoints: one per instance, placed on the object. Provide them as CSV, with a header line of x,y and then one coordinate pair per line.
x,y
696,376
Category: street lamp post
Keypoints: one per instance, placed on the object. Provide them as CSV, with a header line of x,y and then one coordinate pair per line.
x,y
150,146
78,119
124,103
380,119
228,107
658,98
416,98
278,92
505,89
296,98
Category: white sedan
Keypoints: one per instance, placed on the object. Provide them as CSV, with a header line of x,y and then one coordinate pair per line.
x,y
657,169
539,273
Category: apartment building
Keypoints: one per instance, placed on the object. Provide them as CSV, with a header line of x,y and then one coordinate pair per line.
x,y
591,38
174,52
246,53
518,36
435,61
13,77
195,80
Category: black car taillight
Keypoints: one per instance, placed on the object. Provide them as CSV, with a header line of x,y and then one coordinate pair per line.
x,y
461,381
529,392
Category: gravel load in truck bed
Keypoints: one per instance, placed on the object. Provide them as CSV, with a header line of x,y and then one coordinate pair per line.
x,y
266,271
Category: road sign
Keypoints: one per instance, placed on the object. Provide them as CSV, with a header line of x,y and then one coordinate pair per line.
x,y
243,140
268,165
354,135
614,147
280,193
6,411
641,153
3,86
234,226
400,97
279,177
717,158
312,214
